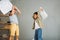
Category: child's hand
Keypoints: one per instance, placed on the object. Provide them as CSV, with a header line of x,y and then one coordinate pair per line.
x,y
19,12
40,9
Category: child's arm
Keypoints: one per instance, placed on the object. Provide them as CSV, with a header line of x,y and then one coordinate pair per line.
x,y
19,12
41,23
39,11
14,9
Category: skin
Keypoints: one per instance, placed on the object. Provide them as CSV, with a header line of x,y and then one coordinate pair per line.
x,y
35,16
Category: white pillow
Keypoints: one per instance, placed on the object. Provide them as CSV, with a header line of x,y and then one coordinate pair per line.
x,y
5,6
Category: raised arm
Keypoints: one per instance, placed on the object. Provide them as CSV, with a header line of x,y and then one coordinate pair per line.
x,y
19,12
39,11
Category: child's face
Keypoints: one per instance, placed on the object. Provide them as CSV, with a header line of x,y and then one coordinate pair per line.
x,y
35,16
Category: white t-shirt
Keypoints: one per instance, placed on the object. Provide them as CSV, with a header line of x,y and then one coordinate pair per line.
x,y
36,25
13,19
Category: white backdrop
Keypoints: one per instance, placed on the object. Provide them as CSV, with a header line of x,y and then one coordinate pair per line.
x,y
51,31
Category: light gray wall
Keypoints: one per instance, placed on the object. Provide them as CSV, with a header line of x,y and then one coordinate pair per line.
x,y
52,23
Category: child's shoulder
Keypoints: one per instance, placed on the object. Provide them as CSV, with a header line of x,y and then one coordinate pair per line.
x,y
38,19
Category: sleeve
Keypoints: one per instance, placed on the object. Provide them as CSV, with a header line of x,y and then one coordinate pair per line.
x,y
41,23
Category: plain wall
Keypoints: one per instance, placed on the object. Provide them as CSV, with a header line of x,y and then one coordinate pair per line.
x,y
52,23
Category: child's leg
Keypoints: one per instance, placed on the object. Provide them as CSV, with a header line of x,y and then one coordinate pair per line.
x,y
36,35
17,32
12,31
11,38
39,34
17,37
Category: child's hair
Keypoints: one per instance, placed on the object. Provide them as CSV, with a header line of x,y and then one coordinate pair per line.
x,y
11,11
36,13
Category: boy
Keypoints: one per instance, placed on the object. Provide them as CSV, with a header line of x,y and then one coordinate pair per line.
x,y
37,25
14,29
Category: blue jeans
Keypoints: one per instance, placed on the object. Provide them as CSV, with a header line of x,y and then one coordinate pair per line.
x,y
38,34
